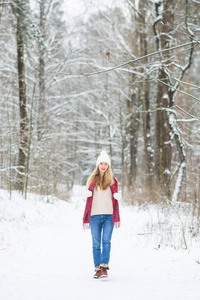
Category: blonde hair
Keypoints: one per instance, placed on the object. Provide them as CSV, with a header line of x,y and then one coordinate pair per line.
x,y
103,182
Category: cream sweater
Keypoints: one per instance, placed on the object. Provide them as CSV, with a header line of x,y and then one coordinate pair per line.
x,y
102,202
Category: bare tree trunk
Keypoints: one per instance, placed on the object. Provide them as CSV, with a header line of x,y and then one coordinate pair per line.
x,y
29,144
166,125
22,99
132,131
163,150
148,149
0,9
41,72
122,180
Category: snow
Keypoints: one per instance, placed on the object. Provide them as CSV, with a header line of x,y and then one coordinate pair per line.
x,y
46,254
165,96
178,182
167,171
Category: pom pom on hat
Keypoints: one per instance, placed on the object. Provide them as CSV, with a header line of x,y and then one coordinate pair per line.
x,y
103,157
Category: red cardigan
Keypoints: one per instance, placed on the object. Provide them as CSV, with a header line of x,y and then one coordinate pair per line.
x,y
88,206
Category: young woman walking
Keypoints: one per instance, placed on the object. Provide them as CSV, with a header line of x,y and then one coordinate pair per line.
x,y
102,212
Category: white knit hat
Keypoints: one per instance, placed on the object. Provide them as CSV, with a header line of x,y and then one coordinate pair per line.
x,y
103,157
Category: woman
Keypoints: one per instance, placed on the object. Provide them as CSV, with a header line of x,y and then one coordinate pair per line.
x,y
102,212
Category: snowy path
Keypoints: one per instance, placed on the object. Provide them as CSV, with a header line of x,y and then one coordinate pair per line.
x,y
53,260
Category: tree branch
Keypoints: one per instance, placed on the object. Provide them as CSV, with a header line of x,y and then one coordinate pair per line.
x,y
195,43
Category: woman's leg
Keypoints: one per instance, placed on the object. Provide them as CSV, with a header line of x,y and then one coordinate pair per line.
x,y
96,228
106,239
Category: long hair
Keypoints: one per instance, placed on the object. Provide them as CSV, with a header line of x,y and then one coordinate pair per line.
x,y
103,182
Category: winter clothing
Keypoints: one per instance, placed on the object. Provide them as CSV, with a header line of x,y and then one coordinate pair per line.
x,y
101,225
104,272
88,207
103,157
102,202
105,266
97,274
101,215
101,272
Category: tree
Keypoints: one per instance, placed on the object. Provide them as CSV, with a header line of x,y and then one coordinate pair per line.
x,y
165,128
146,116
41,106
19,9
106,79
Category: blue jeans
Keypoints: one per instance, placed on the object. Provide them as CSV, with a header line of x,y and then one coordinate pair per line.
x,y
101,230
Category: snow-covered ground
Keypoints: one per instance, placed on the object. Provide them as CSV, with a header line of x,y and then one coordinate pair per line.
x,y
45,253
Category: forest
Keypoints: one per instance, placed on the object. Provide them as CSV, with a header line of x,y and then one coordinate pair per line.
x,y
79,77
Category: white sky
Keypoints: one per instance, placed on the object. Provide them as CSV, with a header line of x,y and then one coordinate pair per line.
x,y
78,7
75,8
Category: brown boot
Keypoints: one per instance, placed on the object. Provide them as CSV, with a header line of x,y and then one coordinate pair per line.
x,y
104,273
98,271
104,268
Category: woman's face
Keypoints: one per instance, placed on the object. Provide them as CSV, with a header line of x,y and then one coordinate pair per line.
x,y
103,167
